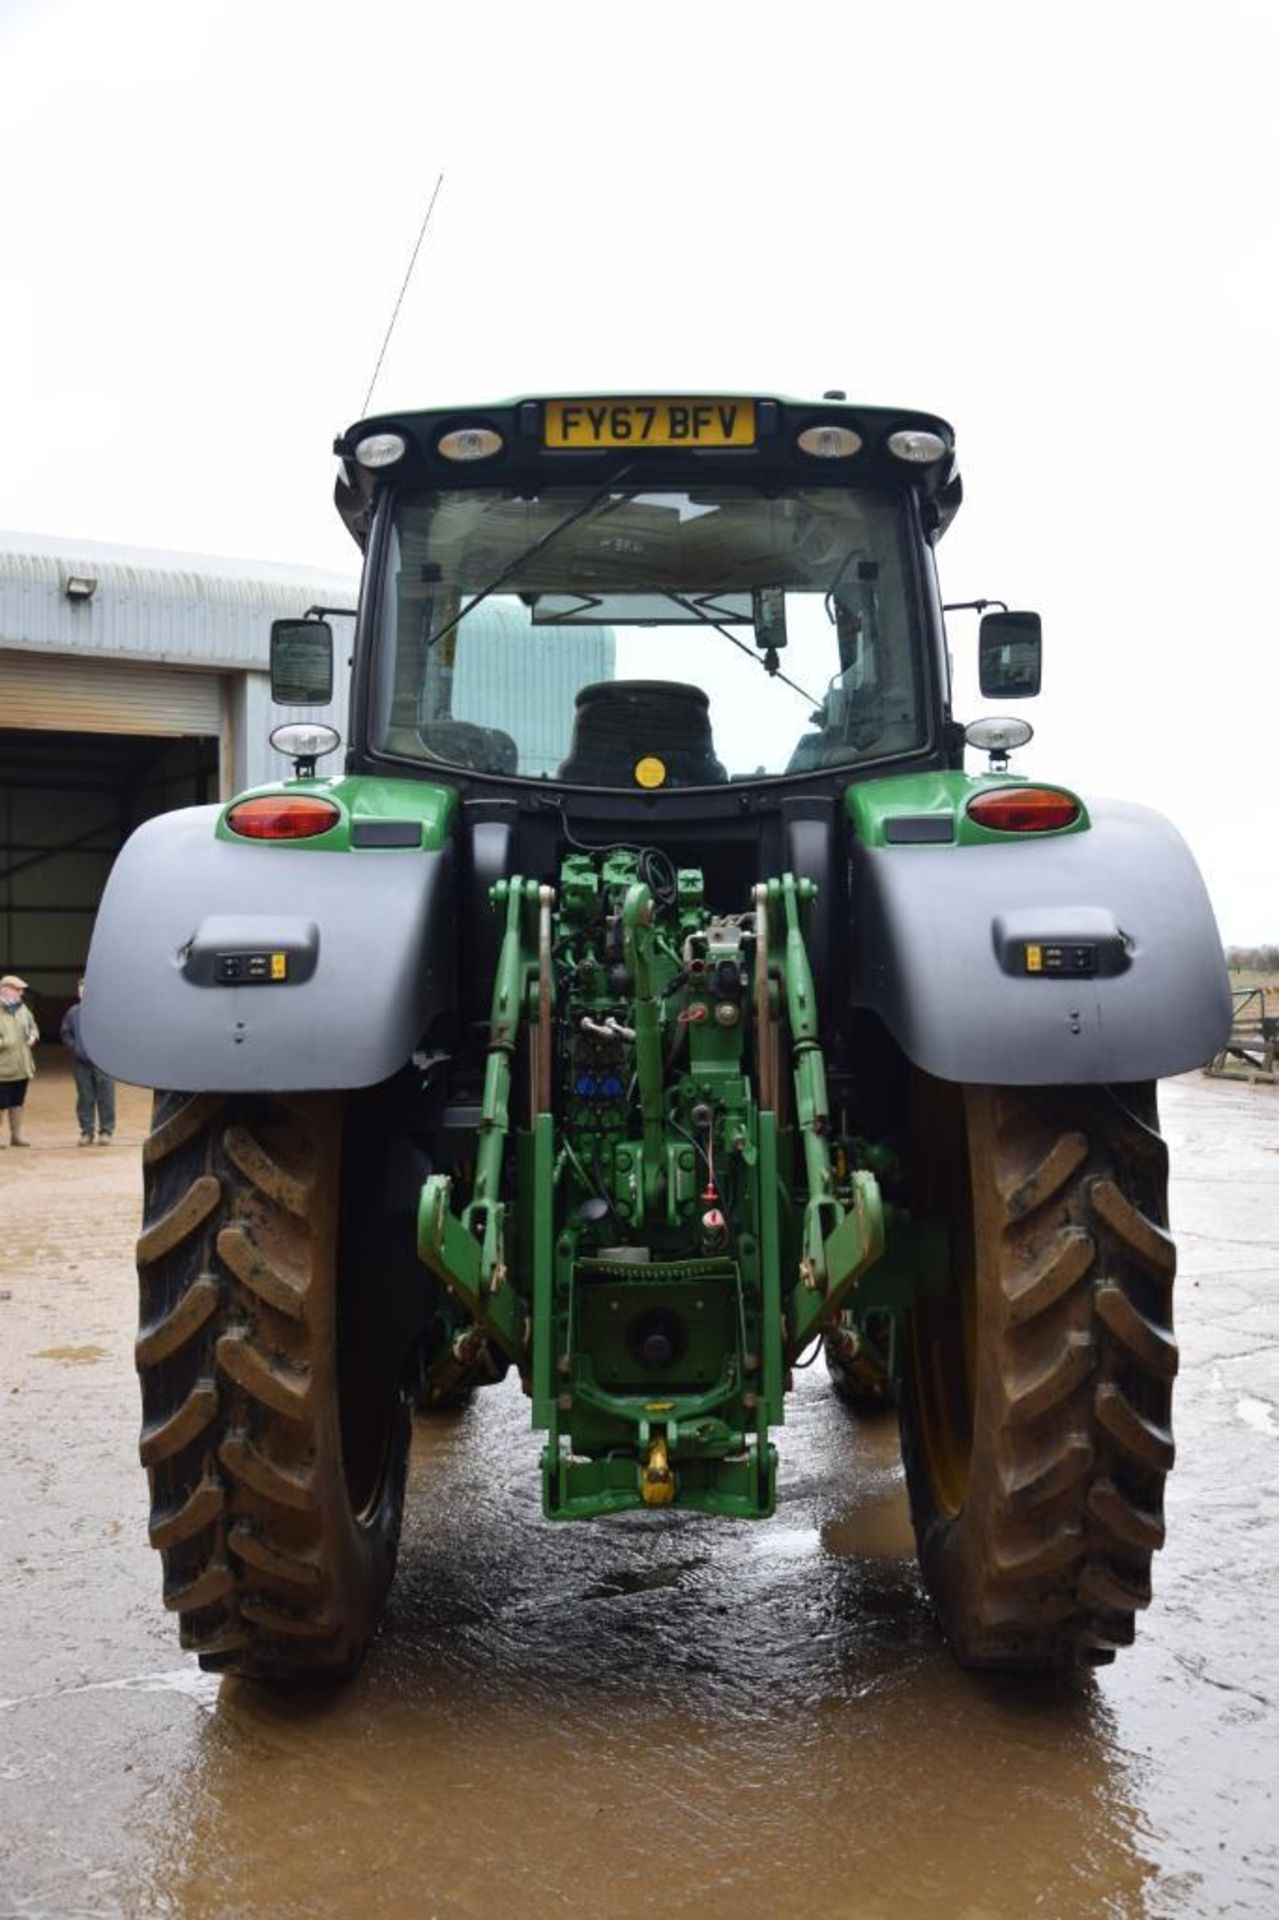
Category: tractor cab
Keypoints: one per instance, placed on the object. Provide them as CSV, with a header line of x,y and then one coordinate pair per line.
x,y
649,594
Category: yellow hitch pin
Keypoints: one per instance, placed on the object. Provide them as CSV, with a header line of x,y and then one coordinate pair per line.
x,y
657,1480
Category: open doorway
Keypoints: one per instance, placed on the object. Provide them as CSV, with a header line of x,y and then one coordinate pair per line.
x,y
68,802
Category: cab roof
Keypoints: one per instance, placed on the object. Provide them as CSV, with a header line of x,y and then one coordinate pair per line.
x,y
534,447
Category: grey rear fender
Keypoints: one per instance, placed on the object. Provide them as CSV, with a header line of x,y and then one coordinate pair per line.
x,y
180,987
944,937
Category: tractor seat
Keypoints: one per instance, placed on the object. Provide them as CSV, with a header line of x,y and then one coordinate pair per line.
x,y
621,722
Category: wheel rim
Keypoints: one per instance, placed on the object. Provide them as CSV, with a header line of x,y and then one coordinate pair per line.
x,y
943,1356
369,1407
373,1345
943,1332
365,1494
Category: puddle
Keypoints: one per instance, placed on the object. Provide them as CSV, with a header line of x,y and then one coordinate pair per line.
x,y
878,1531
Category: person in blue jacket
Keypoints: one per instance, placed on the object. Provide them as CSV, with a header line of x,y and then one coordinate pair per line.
x,y
94,1089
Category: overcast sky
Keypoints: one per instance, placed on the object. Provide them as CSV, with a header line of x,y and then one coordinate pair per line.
x,y
1054,226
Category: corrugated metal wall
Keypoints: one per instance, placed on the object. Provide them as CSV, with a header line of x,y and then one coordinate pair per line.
x,y
197,609
166,644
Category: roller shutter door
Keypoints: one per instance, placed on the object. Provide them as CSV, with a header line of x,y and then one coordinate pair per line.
x,y
73,694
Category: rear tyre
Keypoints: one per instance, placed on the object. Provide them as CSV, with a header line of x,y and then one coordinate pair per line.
x,y
277,1476
1036,1408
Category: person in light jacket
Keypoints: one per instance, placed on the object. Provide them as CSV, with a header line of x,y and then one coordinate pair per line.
x,y
94,1089
18,1036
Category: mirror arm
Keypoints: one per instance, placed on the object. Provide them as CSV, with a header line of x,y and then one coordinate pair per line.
x,y
974,606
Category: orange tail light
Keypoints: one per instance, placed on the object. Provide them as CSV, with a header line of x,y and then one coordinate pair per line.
x,y
1023,810
283,817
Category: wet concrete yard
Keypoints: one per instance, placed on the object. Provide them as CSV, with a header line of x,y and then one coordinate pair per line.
x,y
658,1714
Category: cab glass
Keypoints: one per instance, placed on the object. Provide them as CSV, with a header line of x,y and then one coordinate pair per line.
x,y
591,637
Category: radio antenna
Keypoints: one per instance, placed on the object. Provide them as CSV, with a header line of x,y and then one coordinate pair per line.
x,y
426,221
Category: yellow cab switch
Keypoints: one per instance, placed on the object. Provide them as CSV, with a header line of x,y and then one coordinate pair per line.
x,y
279,966
1034,959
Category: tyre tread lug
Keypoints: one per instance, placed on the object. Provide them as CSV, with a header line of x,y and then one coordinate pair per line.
x,y
1053,1172
1150,1347
192,1311
250,1158
1031,1393
262,1276
1145,1443
1147,1243
1059,1269
199,1510
282,1390
164,1439
294,1569
185,1217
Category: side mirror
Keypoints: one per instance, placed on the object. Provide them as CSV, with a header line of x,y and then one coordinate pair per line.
x,y
768,616
301,663
1009,655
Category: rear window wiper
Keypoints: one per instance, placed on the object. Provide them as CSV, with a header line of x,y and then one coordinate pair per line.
x,y
535,547
774,673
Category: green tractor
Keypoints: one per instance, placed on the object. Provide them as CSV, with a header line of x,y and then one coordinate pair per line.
x,y
652,996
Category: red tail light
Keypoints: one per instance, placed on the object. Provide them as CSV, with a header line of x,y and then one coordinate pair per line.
x,y
298,816
1023,810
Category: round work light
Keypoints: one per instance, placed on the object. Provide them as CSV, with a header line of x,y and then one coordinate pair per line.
x,y
305,739
470,443
380,450
916,446
829,442
997,734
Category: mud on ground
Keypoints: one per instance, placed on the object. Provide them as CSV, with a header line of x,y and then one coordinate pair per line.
x,y
656,1714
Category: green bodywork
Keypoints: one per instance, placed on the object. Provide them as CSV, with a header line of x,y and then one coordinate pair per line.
x,y
359,798
943,796
871,805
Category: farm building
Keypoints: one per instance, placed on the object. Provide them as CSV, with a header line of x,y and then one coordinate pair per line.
x,y
131,682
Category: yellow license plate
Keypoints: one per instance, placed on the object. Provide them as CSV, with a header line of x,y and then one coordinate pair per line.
x,y
584,424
